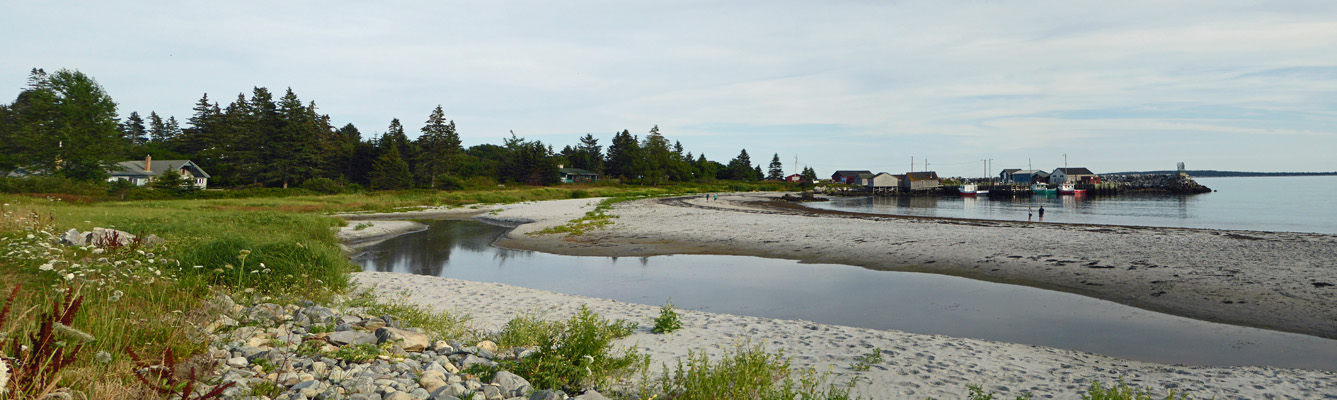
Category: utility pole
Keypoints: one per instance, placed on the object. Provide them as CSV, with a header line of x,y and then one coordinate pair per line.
x,y
912,163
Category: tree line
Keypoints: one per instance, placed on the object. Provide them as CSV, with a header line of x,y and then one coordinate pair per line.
x,y
65,124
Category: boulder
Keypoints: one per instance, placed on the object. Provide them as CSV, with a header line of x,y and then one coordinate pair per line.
x,y
408,340
590,395
511,384
345,338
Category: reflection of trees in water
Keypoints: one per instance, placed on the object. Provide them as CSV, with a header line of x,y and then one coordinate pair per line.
x,y
428,252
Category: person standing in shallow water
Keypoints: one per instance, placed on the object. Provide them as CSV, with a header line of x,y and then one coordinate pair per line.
x,y
1028,213
1042,213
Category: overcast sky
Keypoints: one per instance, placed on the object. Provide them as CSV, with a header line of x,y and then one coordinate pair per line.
x,y
1115,85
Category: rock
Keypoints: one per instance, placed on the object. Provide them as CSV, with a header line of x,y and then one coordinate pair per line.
x,y
511,384
453,390
491,392
103,237
488,345
153,240
472,360
590,395
408,340
345,338
73,238
547,395
432,380
398,396
238,362
441,347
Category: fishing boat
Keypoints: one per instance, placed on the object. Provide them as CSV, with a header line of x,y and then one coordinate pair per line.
x,y
1042,189
1069,188
971,189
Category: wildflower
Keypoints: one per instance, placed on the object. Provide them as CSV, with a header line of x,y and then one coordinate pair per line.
x,y
69,276
98,250
103,357
249,290
199,266
116,296
46,267
4,373
30,236
228,266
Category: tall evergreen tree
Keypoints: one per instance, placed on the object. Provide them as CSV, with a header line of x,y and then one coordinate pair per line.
x,y
623,154
157,128
203,134
440,147
528,162
656,158
775,171
133,130
740,168
390,172
293,153
588,155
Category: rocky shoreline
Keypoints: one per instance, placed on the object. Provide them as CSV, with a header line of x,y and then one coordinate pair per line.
x,y
918,366
294,351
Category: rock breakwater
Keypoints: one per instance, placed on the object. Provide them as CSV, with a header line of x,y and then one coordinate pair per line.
x,y
1156,183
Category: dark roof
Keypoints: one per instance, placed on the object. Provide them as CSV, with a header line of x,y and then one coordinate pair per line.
x,y
1011,170
921,176
1076,171
576,171
852,173
136,168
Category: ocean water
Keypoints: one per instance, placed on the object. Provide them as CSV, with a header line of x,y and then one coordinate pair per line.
x,y
851,296
1287,204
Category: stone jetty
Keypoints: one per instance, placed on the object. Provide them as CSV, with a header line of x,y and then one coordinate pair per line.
x,y
1179,183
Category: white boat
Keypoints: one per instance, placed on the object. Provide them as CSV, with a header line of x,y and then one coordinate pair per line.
x,y
1068,188
971,189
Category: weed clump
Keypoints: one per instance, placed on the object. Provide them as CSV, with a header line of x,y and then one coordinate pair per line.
x,y
573,354
668,319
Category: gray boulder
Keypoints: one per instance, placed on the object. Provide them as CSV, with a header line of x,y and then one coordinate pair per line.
x,y
345,338
590,395
511,384
408,340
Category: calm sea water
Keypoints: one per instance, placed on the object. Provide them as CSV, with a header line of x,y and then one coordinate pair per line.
x,y
851,296
1289,204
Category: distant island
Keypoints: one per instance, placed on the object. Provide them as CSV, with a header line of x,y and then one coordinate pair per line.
x,y
1223,174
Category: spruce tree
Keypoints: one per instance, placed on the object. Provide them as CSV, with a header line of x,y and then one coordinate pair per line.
x,y
133,130
440,146
66,124
775,172
390,172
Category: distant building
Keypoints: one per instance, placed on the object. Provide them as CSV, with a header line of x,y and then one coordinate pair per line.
x,y
141,173
920,181
885,180
1073,175
794,178
1026,176
851,177
573,175
1006,175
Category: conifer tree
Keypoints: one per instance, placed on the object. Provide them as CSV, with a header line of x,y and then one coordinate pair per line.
x,y
390,172
440,147
133,130
775,171
623,154
65,123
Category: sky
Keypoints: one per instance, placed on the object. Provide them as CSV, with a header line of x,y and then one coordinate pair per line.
x,y
955,86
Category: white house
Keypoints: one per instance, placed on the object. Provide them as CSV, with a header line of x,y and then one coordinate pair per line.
x,y
141,173
1073,175
884,180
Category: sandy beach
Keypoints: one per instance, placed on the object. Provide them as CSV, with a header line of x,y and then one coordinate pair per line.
x,y
1271,280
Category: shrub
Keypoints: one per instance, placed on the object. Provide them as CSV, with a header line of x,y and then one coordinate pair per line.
x,y
577,354
449,183
1123,392
668,320
323,185
744,373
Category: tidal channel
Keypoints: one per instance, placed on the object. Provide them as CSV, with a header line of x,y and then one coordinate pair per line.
x,y
850,296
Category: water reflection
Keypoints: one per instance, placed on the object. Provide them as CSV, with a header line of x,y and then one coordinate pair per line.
x,y
852,296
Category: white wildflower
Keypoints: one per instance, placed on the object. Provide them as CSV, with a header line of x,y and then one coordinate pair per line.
x,y
98,250
30,236
103,357
199,266
69,276
46,267
4,373
116,296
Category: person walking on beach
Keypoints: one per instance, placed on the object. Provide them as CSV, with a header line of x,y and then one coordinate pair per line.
x,y
1042,213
